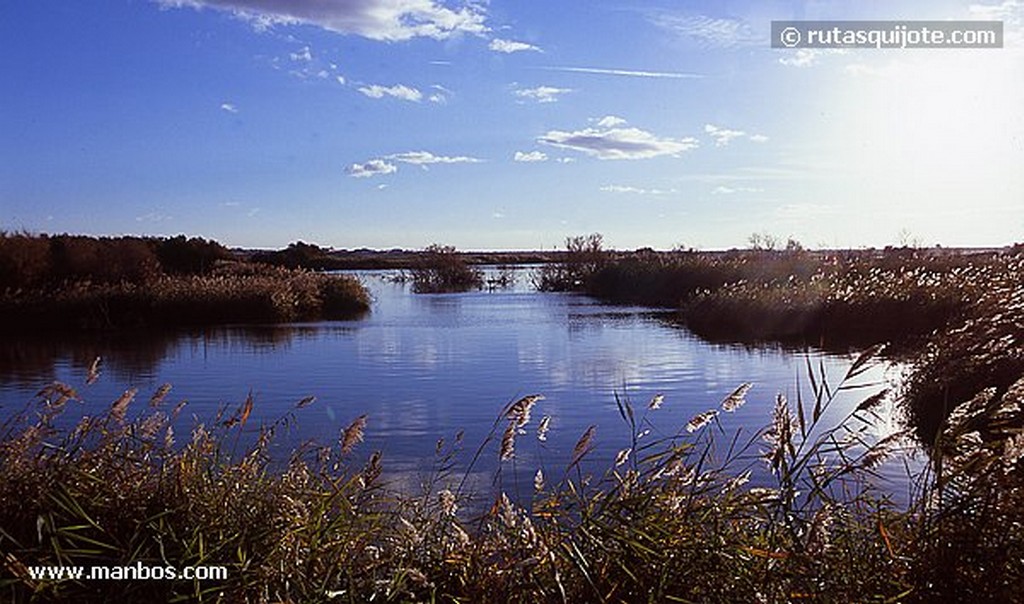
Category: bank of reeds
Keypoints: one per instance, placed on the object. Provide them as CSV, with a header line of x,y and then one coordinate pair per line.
x,y
859,303
981,354
842,298
235,293
676,519
956,316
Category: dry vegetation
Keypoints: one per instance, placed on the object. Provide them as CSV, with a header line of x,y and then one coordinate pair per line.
x,y
957,317
73,282
675,519
440,268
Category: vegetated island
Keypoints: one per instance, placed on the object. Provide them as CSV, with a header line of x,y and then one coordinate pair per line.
x,y
73,282
673,519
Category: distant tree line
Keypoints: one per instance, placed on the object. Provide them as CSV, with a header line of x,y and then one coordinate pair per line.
x,y
28,260
300,254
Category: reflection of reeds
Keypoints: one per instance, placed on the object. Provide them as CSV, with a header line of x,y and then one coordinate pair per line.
x,y
677,518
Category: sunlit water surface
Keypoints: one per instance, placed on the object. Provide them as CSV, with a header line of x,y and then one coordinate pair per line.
x,y
425,366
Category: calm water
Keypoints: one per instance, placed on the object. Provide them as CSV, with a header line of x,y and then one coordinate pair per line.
x,y
423,367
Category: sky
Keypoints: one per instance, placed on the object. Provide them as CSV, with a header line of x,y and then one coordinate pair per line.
x,y
504,124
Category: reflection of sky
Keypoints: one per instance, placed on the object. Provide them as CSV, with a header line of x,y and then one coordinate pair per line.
x,y
425,366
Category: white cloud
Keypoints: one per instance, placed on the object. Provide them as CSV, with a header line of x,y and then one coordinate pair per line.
x,y
371,168
542,94
384,165
618,143
229,107
724,190
510,46
709,31
424,158
625,72
565,160
1008,10
610,121
532,156
440,94
808,57
635,190
303,55
399,91
384,20
340,79
722,136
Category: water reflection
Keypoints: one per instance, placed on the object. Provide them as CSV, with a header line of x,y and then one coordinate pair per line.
x,y
424,366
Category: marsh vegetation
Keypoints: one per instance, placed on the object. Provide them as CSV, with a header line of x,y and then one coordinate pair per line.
x,y
675,517
708,512
73,282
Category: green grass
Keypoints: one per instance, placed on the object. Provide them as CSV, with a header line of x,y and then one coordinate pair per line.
x,y
674,520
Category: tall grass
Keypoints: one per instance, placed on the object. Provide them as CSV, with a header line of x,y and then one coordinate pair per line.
x,y
839,298
233,293
705,514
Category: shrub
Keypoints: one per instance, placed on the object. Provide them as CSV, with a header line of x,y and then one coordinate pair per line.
x,y
442,269
584,257
24,260
189,256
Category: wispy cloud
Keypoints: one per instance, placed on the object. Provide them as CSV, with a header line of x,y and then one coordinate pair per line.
x,y
229,107
724,190
153,217
424,158
542,94
632,73
724,136
386,164
714,32
398,91
511,46
635,190
440,94
304,54
617,142
373,167
531,156
808,57
385,20
1011,11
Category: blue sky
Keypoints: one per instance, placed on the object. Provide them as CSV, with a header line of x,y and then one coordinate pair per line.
x,y
503,124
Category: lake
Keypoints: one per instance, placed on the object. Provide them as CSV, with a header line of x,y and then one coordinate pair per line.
x,y
425,366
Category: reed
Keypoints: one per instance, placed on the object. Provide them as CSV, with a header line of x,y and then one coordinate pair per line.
x,y
784,514
234,293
